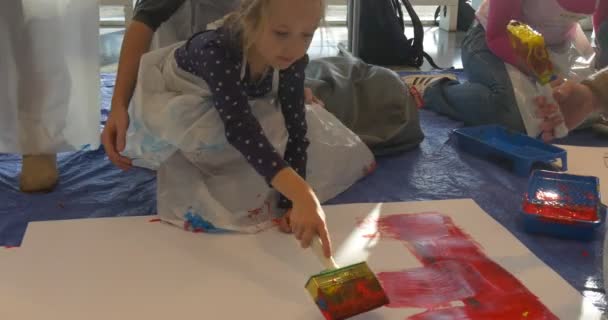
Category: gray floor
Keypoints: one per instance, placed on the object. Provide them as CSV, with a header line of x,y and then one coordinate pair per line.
x,y
443,46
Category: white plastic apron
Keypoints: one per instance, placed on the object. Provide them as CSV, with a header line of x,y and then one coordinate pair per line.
x,y
203,179
49,75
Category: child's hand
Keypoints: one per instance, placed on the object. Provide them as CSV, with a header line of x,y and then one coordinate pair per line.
x,y
551,119
114,138
307,220
283,222
576,101
310,98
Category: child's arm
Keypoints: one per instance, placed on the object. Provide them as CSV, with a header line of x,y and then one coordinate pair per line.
x,y
149,14
291,96
500,13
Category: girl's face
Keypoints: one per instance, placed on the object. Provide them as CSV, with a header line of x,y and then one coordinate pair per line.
x,y
288,32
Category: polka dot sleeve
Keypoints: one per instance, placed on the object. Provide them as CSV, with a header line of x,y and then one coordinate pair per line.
x,y
291,95
207,56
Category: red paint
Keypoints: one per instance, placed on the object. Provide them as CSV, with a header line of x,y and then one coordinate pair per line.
x,y
585,253
565,213
253,213
367,170
154,220
455,269
590,196
351,298
9,247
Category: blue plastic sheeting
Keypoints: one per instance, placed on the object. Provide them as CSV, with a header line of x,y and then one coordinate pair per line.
x,y
91,186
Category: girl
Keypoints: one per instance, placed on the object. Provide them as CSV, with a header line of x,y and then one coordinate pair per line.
x,y
496,91
222,117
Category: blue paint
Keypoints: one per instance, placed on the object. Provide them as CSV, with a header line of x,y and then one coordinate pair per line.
x,y
196,222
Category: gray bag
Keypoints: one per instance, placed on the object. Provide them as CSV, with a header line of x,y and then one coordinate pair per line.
x,y
371,101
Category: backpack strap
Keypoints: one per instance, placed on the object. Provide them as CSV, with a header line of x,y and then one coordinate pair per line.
x,y
418,40
416,43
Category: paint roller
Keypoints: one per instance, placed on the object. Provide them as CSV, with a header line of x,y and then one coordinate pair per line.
x,y
343,292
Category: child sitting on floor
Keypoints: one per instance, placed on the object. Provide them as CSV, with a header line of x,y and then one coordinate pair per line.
x,y
222,117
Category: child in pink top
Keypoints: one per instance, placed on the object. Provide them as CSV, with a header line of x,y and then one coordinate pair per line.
x,y
488,96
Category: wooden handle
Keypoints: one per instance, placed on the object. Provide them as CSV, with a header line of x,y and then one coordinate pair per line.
x,y
317,248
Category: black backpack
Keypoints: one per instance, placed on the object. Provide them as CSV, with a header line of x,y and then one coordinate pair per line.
x,y
382,40
466,15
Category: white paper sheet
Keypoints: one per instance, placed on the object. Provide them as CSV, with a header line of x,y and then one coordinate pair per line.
x,y
129,268
589,161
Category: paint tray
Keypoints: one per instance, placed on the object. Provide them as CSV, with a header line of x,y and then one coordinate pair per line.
x,y
562,205
520,151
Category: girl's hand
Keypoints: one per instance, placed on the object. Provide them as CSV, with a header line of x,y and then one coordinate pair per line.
x,y
551,119
310,98
576,101
307,220
283,222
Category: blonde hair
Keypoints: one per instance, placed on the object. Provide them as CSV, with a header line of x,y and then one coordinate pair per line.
x,y
249,20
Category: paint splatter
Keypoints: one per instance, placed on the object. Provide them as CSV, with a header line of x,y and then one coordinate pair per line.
x,y
565,213
455,269
154,220
367,170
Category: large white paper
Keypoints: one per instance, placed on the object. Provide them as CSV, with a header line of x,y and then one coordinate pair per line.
x,y
589,161
130,268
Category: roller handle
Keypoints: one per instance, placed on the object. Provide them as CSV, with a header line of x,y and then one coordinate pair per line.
x,y
317,248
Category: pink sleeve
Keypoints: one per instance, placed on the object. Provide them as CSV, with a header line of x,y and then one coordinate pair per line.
x,y
601,13
501,12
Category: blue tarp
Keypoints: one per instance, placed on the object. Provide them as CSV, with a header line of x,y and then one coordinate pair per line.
x,y
90,186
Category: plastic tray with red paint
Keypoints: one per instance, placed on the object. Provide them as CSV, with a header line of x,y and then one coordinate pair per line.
x,y
563,205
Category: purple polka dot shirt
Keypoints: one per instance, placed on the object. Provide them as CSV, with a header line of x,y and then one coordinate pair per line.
x,y
213,57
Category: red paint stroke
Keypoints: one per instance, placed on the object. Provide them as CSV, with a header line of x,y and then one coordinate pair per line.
x,y
455,269
565,213
367,170
154,220
10,247
254,213
351,298
585,253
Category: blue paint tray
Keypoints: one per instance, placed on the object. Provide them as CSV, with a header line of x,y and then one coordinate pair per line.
x,y
562,205
520,151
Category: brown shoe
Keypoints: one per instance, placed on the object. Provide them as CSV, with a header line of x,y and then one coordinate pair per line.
x,y
38,173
